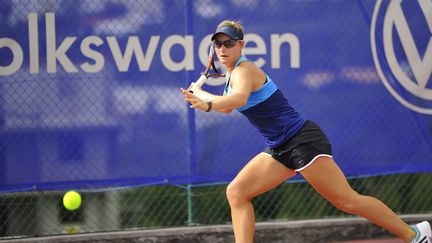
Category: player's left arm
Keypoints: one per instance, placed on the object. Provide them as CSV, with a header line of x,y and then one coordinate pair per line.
x,y
241,88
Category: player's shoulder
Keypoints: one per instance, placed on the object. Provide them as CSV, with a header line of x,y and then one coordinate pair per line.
x,y
241,71
246,66
246,71
246,63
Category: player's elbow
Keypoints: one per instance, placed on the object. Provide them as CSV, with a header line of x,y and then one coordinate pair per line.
x,y
226,111
245,102
241,100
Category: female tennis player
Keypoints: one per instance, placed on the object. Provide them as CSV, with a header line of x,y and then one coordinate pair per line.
x,y
294,145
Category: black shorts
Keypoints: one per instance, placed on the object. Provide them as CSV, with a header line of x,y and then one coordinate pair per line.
x,y
303,148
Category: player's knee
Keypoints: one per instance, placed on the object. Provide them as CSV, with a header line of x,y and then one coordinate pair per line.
x,y
347,204
235,194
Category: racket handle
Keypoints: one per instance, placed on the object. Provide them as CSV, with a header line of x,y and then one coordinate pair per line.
x,y
200,82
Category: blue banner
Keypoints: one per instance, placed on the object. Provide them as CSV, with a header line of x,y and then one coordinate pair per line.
x,y
90,95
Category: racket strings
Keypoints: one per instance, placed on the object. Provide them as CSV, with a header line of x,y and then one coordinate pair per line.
x,y
214,67
219,70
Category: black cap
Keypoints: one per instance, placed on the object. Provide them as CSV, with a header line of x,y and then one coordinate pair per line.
x,y
230,31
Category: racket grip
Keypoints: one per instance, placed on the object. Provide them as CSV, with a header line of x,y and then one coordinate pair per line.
x,y
200,82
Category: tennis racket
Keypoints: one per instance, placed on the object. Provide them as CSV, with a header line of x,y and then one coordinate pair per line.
x,y
214,68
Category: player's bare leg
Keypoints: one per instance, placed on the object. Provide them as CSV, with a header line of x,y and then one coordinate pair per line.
x,y
261,174
326,177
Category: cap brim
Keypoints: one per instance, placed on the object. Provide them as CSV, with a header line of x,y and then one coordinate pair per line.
x,y
229,31
221,32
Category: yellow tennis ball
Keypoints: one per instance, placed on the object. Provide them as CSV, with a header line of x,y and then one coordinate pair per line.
x,y
71,200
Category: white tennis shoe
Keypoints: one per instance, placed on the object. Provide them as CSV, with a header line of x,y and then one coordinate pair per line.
x,y
423,231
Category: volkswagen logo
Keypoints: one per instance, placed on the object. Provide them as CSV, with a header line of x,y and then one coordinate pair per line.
x,y
401,42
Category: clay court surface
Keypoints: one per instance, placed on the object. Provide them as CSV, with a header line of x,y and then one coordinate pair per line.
x,y
393,240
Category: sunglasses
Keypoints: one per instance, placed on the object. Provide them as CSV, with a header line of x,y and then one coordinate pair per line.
x,y
228,43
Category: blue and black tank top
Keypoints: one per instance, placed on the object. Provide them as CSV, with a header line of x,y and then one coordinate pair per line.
x,y
269,111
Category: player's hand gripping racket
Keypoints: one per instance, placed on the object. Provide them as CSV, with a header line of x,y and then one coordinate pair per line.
x,y
213,69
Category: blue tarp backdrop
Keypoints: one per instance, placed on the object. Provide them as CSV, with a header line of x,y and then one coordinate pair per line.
x,y
90,95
